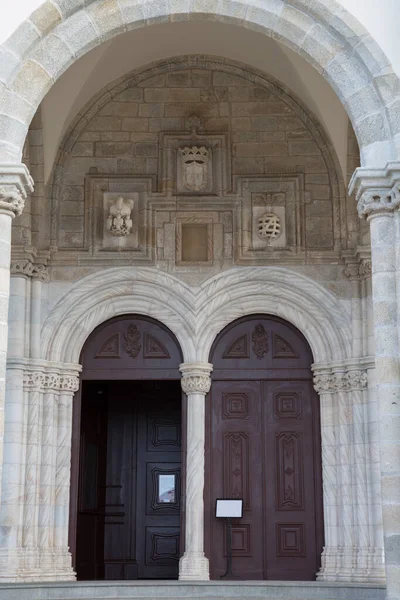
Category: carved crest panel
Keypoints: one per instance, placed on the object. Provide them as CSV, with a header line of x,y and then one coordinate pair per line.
x,y
132,339
195,169
260,341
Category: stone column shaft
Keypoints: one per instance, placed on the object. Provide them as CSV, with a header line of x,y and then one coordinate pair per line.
x,y
196,384
15,182
378,196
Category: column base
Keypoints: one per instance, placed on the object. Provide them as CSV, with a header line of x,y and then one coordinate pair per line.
x,y
352,564
35,564
194,566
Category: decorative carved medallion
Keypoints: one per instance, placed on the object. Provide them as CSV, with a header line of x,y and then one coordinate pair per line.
x,y
132,341
260,341
194,168
269,227
119,222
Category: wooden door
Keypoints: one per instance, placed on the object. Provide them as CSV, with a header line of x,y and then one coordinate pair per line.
x,y
130,485
126,453
264,446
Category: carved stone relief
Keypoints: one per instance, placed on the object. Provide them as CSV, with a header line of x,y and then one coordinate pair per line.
x,y
194,169
119,222
120,229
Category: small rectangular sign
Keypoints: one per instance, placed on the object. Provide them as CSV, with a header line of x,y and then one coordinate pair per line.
x,y
229,508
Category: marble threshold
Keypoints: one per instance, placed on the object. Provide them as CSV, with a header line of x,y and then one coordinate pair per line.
x,y
192,590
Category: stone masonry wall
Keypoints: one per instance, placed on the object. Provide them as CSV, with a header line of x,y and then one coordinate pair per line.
x,y
269,132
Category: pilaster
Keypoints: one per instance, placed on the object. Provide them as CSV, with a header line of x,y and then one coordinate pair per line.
x,y
34,511
353,543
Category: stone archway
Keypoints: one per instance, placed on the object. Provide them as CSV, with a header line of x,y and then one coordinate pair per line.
x,y
326,35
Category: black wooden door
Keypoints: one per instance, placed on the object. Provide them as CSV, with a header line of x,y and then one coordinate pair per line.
x,y
159,486
130,484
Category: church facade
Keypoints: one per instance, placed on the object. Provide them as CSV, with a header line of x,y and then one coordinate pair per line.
x,y
199,285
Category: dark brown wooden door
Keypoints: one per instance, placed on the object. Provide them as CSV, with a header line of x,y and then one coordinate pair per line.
x,y
130,485
264,447
126,490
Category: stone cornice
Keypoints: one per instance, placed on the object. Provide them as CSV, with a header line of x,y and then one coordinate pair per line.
x,y
377,190
15,184
196,377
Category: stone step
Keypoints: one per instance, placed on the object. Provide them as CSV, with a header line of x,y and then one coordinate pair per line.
x,y
175,590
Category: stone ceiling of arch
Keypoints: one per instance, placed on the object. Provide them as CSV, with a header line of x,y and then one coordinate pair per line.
x,y
138,48
267,155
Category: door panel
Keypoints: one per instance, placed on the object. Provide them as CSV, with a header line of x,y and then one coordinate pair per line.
x,y
289,479
264,447
236,472
159,489
130,493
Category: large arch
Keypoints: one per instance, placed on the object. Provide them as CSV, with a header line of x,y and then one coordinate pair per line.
x,y
197,315
323,32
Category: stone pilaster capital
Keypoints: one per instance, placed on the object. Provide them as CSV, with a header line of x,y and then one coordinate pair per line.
x,y
377,191
45,376
25,268
329,379
15,184
358,263
196,377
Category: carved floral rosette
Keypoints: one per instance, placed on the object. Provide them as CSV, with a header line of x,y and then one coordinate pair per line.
x,y
196,378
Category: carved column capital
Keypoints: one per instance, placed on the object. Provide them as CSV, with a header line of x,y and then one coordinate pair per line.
x,y
15,184
25,268
358,263
377,190
338,378
196,377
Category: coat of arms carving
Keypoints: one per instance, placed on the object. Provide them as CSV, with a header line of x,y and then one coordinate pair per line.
x,y
132,341
194,168
119,222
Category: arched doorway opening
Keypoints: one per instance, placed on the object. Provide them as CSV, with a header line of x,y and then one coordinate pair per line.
x,y
126,483
263,445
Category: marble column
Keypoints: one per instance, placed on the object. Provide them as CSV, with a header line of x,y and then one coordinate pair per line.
x,y
15,183
196,383
378,197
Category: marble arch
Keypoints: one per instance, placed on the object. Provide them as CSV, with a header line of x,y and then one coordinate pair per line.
x,y
323,32
187,311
